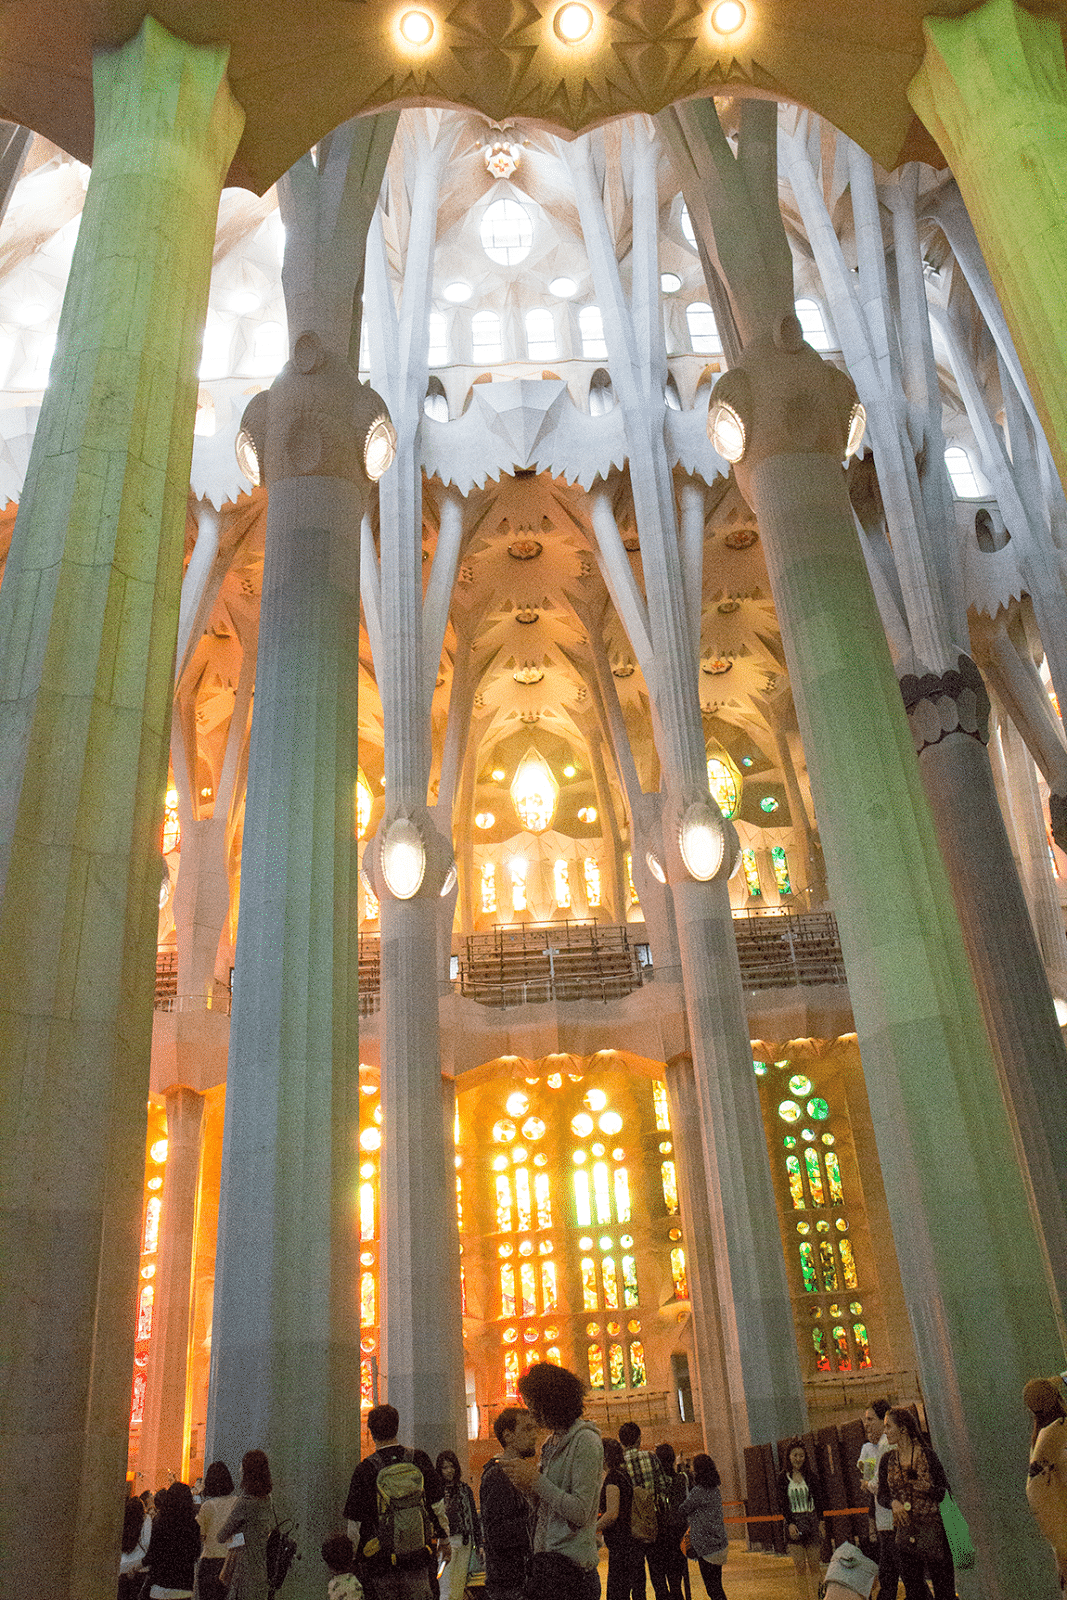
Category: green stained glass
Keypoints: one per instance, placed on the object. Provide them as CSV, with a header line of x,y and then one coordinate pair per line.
x,y
829,1266
760,1068
807,1268
833,1174
818,1110
844,1354
725,787
751,872
863,1349
789,1111
596,1367
799,1084
790,1141
848,1263
617,1366
637,1364
670,1186
768,804
822,1360
780,867
630,1296
796,1184
811,1162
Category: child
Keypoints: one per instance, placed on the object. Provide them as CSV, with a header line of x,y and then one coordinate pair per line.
x,y
339,1554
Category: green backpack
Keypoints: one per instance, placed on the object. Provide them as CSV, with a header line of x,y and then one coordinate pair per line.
x,y
404,1525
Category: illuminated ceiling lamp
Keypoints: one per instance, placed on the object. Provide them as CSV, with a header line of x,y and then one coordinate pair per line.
x,y
727,16
403,859
701,841
416,27
573,23
534,792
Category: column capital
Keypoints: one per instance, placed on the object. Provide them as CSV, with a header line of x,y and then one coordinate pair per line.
x,y
952,702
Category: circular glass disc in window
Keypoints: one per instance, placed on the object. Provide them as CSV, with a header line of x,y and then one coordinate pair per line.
x,y
828,1138
804,1228
822,1227
789,1111
797,1085
807,1134
503,1131
841,1225
506,232
790,1141
596,1100
533,1128
519,1103
611,1122
582,1124
510,1335
585,1243
592,1329
818,1109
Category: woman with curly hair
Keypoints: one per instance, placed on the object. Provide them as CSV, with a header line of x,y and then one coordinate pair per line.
x,y
912,1483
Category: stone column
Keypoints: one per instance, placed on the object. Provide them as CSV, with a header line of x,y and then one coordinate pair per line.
x,y
162,1450
992,89
88,619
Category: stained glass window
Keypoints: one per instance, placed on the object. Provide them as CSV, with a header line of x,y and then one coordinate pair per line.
x,y
522,1199
172,833
459,1201
818,1109
151,1225
368,1314
582,1209
670,1186
807,1268
822,1360
517,868
659,1101
833,1173
611,1283
796,1182
829,1265
789,1111
366,1211
561,879
622,1195
602,1191
780,867
543,1200
529,1292
863,1349
462,1289
590,1298
372,906
366,1384
591,867
848,1263
751,872
638,1378
681,1283
811,1162
144,1312
503,1203
548,1286
844,1354
507,1291
799,1084
553,1354
631,888
488,886
582,1125
724,786
511,1373
617,1367
596,1367
629,1281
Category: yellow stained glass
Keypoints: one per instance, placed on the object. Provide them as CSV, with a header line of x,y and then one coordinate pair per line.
x,y
796,1183
459,1201
543,1200
548,1286
592,882
681,1283
372,906
637,1364
859,1333
725,787
368,1300
807,1268
844,1354
751,871
622,1195
511,1374
611,1283
659,1100
833,1174
529,1292
561,880
366,1211
829,1266
602,1191
522,1200
366,1385
517,870
848,1263
670,1186
630,1293
617,1367
780,867
590,1298
596,1367
462,1290
631,888
151,1225
583,1214
507,1291
144,1312
553,1354
811,1162
488,882
503,1203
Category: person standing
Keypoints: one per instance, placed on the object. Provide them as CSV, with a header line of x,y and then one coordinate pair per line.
x,y
174,1546
912,1483
250,1518
1046,1483
136,1532
702,1511
565,1487
669,1555
626,1561
217,1503
395,1512
465,1530
870,1458
800,1495
505,1511
647,1474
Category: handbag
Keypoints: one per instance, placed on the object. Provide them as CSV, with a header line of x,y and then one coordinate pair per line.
x,y
923,1537
851,1569
806,1524
228,1570
957,1533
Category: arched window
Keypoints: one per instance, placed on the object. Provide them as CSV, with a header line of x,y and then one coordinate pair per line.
x,y
601,394
541,335
672,399
485,337
813,324
437,355
686,224
270,349
591,328
561,883
506,232
703,334
435,404
215,352
965,485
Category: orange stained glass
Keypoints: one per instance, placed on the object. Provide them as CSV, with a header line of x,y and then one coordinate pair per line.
x,y
596,1367
503,1203
681,1283
848,1263
548,1286
638,1377
561,879
592,882
552,1354
543,1200
529,1291
631,887
522,1200
630,1295
863,1349
372,908
829,1266
583,1213
822,1360
622,1194
670,1186
488,884
511,1373
366,1384
462,1289
617,1367
590,1298
811,1162
368,1300
507,1291
144,1312
844,1354
796,1183
151,1225
659,1100
366,1211
833,1174
602,1191
459,1201
611,1283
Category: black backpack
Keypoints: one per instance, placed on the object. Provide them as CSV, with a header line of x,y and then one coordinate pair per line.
x,y
281,1552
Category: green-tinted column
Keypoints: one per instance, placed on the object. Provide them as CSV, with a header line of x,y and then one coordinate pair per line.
x,y
992,89
88,618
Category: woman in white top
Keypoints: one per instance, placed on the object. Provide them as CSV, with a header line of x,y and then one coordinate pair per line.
x,y
218,1502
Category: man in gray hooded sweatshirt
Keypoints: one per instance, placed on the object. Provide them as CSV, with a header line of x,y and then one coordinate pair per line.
x,y
564,1487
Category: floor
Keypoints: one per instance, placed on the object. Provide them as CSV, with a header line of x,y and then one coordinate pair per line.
x,y
744,1577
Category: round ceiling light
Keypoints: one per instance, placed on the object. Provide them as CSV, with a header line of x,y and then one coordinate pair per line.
x,y
248,456
573,22
379,447
702,840
726,431
655,868
416,27
457,292
484,819
728,16
563,288
857,424
403,859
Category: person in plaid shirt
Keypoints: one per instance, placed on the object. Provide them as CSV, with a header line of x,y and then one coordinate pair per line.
x,y
646,1471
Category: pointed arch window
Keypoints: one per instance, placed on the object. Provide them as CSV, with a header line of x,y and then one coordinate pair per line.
x,y
813,324
703,332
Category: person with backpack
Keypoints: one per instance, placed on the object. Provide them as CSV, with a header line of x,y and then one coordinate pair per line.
x,y
249,1524
625,1558
650,1505
668,1555
396,1515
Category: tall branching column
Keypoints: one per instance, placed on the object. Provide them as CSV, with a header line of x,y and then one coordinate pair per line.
x,y
88,618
